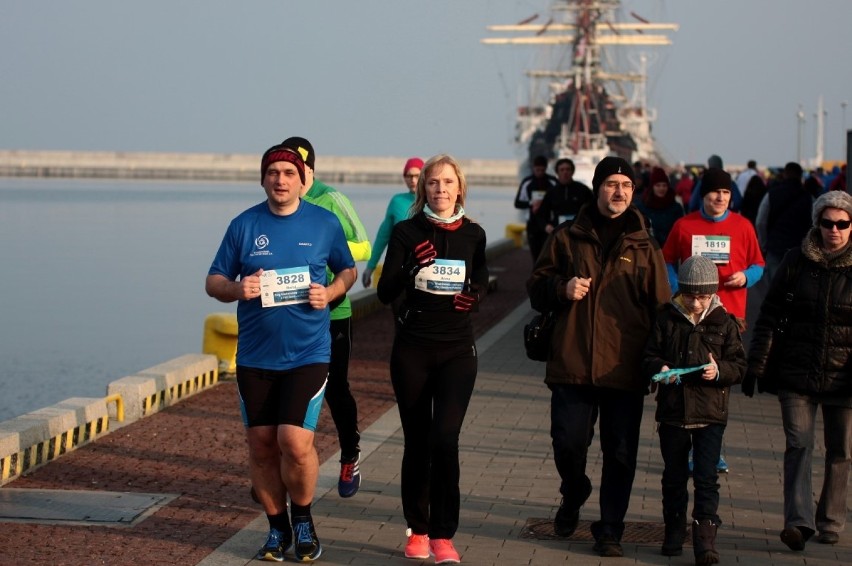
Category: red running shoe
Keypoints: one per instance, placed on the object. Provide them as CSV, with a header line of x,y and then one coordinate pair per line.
x,y
417,545
443,551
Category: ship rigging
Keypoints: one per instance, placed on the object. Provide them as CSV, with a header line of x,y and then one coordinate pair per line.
x,y
592,108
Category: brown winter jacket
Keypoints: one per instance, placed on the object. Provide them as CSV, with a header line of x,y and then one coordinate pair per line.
x,y
599,340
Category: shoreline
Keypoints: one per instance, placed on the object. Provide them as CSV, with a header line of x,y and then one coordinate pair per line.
x,y
224,167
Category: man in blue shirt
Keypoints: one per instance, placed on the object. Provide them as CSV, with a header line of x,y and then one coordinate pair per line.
x,y
273,261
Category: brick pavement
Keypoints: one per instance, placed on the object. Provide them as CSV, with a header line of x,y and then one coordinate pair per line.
x,y
509,481
196,449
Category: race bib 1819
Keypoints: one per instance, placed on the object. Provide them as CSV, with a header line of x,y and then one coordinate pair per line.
x,y
715,248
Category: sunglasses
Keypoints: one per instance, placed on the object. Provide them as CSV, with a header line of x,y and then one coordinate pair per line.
x,y
830,224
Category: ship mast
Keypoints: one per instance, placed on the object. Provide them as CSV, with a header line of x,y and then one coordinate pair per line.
x,y
582,117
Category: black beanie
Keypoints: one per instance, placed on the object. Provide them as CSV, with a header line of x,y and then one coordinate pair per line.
x,y
304,147
611,166
698,276
715,179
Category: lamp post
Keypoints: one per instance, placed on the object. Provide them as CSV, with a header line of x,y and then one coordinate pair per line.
x,y
800,118
845,135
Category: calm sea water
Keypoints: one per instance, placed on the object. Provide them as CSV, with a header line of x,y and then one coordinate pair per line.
x,y
102,279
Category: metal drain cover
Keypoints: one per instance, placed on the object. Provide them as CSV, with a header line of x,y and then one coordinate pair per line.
x,y
78,507
637,533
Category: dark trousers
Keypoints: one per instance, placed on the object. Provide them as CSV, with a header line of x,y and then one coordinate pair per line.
x,y
574,409
535,238
706,445
340,401
799,416
433,382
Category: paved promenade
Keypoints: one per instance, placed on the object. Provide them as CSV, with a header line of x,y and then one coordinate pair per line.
x,y
195,453
509,484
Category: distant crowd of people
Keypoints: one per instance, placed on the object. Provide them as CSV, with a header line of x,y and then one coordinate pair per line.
x,y
646,276
647,279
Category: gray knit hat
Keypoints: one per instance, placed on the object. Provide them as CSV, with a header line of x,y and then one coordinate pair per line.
x,y
698,276
832,199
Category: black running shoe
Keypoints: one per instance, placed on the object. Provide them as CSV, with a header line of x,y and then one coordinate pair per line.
x,y
276,545
308,547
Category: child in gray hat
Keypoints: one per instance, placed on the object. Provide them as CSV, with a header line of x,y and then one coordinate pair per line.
x,y
694,355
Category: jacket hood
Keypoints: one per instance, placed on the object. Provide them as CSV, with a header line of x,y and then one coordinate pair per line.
x,y
715,312
812,249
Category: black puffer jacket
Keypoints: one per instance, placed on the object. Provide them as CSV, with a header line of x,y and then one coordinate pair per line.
x,y
679,343
813,355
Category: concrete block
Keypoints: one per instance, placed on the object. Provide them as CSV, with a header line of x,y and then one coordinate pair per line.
x,y
87,409
180,370
31,429
161,383
133,390
10,440
66,415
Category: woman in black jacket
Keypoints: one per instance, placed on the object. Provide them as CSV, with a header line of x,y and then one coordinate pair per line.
x,y
437,260
805,323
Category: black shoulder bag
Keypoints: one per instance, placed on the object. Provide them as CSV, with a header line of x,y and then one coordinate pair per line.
x,y
537,335
539,331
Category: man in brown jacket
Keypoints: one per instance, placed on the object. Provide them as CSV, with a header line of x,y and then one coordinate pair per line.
x,y
604,276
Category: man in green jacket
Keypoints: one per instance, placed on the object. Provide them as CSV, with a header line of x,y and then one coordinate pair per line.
x,y
341,403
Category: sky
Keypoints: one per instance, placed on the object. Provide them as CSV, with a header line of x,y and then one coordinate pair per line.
x,y
399,77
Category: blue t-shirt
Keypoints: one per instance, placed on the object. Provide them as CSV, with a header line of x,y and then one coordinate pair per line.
x,y
282,337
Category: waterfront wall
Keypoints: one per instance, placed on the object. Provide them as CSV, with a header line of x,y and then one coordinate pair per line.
x,y
35,439
226,167
32,440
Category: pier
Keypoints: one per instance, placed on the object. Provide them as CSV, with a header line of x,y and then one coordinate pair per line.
x,y
226,167
173,488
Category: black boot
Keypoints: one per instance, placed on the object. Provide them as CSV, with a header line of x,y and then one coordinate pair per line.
x,y
675,535
704,542
566,520
607,542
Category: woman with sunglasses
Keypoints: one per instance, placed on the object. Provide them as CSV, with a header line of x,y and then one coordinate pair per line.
x,y
806,324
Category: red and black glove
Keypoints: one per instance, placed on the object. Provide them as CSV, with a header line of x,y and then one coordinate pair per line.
x,y
465,301
424,256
